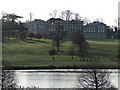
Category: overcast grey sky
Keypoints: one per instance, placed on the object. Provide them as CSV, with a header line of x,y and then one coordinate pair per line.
x,y
92,9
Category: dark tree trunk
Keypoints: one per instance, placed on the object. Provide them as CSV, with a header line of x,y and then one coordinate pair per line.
x,y
96,80
83,59
58,46
53,58
72,57
58,49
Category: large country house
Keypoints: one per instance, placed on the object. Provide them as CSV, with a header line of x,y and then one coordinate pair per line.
x,y
95,30
91,30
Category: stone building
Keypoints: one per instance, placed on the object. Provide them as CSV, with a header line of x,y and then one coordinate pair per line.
x,y
91,30
69,26
37,26
95,30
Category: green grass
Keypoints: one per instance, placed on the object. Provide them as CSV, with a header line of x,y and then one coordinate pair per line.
x,y
34,53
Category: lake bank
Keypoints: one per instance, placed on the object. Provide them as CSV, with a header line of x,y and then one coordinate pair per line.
x,y
59,67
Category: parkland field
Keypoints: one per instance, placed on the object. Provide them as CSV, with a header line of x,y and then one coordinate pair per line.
x,y
34,53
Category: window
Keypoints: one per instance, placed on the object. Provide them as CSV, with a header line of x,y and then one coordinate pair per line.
x,y
103,27
98,28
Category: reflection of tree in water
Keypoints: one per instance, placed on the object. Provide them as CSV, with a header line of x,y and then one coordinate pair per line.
x,y
8,80
95,79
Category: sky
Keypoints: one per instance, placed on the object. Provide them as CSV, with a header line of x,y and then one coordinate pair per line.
x,y
92,9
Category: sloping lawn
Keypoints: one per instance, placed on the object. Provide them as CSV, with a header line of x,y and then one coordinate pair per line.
x,y
34,53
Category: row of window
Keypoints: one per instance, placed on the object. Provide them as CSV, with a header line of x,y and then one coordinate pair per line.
x,y
71,26
100,28
71,29
94,31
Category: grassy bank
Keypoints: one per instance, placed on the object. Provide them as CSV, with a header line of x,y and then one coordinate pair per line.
x,y
32,53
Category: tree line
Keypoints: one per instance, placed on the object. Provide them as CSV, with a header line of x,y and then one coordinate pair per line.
x,y
12,22
22,35
69,15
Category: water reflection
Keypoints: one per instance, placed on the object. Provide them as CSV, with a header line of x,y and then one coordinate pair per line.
x,y
8,79
95,78
55,78
47,80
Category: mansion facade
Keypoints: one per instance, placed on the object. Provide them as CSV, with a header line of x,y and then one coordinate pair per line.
x,y
95,30
91,30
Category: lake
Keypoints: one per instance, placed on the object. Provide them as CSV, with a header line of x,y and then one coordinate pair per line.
x,y
55,78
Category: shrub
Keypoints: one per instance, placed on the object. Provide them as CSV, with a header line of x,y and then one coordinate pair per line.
x,y
52,53
45,35
31,35
38,36
22,36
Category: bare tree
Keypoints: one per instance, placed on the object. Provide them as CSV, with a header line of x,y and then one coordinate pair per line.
x,y
31,16
99,19
118,22
62,15
80,41
94,79
67,15
8,80
77,17
86,21
53,14
3,14
58,35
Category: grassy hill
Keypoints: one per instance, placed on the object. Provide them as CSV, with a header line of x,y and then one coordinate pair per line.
x,y
32,53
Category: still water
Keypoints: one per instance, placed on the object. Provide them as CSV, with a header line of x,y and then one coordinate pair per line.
x,y
55,78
